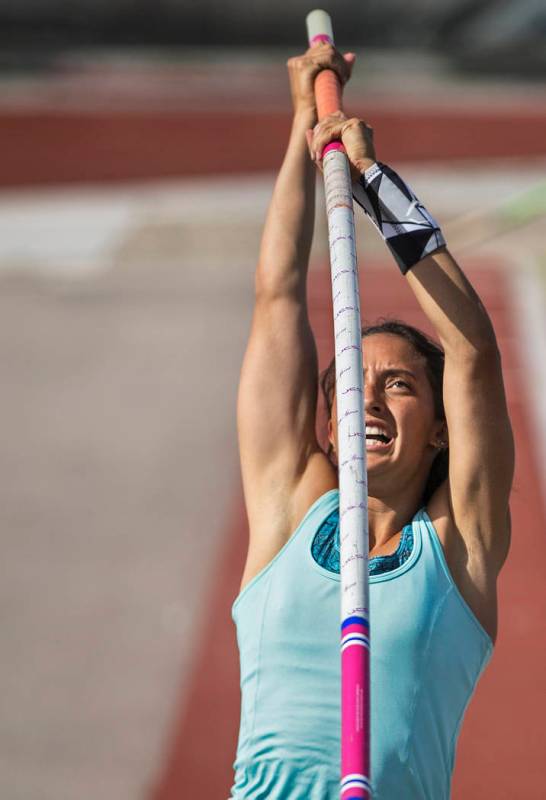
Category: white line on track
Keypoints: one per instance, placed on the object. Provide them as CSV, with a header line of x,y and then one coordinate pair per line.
x,y
75,232
530,321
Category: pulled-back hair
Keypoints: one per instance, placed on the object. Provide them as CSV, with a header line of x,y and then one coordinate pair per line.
x,y
434,359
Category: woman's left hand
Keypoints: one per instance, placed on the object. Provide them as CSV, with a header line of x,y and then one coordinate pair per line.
x,y
302,71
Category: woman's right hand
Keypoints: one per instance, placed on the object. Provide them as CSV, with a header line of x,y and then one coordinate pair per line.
x,y
302,71
357,138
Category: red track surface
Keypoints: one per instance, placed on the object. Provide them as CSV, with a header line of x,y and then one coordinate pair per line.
x,y
60,146
500,752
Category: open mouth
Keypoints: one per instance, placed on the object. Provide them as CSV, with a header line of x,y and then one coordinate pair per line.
x,y
377,438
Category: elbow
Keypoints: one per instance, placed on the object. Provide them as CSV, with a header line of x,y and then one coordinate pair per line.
x,y
484,338
269,287
485,347
477,365
479,355
475,344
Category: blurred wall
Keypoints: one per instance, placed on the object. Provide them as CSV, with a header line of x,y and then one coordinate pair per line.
x,y
503,36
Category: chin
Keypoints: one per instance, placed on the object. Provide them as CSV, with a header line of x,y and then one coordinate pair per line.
x,y
379,457
377,466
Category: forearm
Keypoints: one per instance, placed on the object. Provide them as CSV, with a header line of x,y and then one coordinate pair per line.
x,y
416,242
288,231
452,305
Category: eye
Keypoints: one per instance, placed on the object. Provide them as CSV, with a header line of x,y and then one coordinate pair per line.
x,y
398,384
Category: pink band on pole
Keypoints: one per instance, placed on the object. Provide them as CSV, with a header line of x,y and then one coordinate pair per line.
x,y
355,754
320,37
333,146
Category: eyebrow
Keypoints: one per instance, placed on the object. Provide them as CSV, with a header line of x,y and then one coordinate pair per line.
x,y
396,371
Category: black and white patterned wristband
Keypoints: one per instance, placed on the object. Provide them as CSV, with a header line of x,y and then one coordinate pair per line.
x,y
408,229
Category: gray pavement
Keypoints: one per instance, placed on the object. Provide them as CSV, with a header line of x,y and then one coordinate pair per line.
x,y
118,465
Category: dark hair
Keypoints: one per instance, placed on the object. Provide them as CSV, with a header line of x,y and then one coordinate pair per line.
x,y
434,358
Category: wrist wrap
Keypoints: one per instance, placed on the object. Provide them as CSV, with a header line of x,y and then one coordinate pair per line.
x,y
408,229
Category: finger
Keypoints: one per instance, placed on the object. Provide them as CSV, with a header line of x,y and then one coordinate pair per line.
x,y
328,57
356,127
303,64
322,54
342,65
349,59
326,134
316,149
325,56
330,123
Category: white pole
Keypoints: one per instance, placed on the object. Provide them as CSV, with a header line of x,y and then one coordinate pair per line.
x,y
351,432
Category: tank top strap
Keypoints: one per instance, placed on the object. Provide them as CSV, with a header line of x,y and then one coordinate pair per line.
x,y
435,555
318,511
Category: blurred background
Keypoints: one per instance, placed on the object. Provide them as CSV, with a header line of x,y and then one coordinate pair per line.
x,y
138,147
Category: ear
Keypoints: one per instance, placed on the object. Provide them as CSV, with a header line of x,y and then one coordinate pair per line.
x,y
440,438
331,434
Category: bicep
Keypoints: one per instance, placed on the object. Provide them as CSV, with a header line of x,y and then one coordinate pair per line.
x,y
481,448
277,400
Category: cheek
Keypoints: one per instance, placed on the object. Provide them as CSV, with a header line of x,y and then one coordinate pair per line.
x,y
415,419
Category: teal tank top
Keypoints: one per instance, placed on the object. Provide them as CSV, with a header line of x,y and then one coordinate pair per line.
x,y
428,651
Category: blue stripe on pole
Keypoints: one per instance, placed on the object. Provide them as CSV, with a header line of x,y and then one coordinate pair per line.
x,y
359,779
358,639
355,621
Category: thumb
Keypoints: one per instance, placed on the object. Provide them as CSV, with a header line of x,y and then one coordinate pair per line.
x,y
349,59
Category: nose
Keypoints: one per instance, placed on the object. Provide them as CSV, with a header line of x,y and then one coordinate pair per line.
x,y
373,401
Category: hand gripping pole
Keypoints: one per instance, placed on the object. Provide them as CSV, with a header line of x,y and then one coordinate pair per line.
x,y
353,488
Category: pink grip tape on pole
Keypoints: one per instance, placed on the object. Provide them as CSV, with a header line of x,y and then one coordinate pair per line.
x,y
353,487
328,91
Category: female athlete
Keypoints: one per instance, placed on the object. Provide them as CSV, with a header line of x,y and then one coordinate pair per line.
x,y
440,464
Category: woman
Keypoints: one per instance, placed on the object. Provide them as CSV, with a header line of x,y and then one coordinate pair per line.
x,y
439,527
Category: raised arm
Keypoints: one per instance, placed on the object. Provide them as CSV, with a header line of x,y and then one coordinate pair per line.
x,y
278,385
481,448
474,500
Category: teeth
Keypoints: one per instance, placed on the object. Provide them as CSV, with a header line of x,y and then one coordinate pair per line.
x,y
372,430
376,434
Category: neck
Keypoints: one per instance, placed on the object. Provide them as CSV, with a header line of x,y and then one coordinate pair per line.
x,y
387,514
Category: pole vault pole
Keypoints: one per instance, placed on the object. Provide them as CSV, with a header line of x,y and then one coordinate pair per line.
x,y
353,488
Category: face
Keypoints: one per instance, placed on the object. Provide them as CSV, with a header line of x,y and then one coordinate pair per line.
x,y
402,432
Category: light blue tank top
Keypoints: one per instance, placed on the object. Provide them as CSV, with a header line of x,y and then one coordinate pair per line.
x,y
427,653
